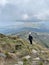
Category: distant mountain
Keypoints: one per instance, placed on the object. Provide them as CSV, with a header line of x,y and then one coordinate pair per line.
x,y
36,29
16,30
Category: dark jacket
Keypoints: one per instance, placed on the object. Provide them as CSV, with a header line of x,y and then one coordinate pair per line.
x,y
30,37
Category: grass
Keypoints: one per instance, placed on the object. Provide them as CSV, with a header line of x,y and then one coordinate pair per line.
x,y
7,45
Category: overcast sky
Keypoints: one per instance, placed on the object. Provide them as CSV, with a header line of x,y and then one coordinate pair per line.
x,y
32,10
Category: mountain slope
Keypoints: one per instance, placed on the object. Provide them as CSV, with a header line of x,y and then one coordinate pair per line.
x,y
15,49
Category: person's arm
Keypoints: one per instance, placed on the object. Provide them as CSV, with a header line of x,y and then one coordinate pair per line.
x,y
32,37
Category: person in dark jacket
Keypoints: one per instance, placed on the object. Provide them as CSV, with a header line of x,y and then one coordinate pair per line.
x,y
30,38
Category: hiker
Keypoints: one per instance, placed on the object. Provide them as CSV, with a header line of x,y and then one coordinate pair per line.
x,y
30,38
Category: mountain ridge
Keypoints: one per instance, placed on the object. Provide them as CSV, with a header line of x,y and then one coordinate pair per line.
x,y
15,30
15,48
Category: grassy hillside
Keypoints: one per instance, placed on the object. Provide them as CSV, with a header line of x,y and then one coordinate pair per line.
x,y
16,50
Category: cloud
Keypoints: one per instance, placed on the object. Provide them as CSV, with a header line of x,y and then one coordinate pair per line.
x,y
3,2
25,16
33,24
25,9
43,15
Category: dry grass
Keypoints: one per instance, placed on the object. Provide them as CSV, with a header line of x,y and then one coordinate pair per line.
x,y
7,46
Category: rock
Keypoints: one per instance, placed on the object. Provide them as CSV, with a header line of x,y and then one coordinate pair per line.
x,y
42,51
34,42
27,57
15,64
20,63
2,55
37,58
34,51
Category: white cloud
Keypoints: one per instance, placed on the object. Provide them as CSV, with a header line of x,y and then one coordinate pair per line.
x,y
25,16
17,2
3,2
43,15
39,9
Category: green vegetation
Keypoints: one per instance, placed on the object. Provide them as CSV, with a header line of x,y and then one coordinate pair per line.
x,y
16,48
40,63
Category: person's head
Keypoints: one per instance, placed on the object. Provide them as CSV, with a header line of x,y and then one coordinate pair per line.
x,y
29,33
